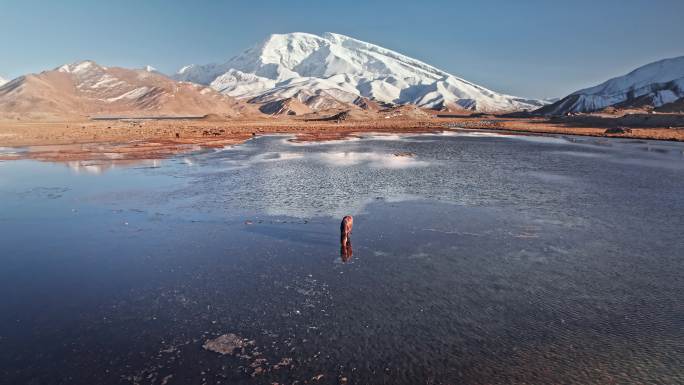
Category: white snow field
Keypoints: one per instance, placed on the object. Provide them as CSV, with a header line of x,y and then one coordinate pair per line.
x,y
303,65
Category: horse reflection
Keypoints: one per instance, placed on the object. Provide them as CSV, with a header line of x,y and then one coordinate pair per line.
x,y
346,252
345,242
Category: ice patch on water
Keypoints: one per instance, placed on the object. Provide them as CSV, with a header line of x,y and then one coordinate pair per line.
x,y
357,137
471,134
290,141
389,137
371,159
11,150
335,207
275,157
98,167
581,154
228,147
485,134
412,136
540,139
81,167
240,161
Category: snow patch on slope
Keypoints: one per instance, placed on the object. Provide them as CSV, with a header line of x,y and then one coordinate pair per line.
x,y
132,94
80,68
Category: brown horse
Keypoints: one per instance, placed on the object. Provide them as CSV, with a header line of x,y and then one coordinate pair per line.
x,y
346,228
345,243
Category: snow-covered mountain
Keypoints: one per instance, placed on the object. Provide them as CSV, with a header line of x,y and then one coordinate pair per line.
x,y
654,85
149,68
88,89
2,81
333,66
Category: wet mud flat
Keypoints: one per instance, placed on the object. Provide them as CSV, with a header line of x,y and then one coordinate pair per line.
x,y
480,259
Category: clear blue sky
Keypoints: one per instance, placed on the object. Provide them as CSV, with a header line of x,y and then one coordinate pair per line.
x,y
527,48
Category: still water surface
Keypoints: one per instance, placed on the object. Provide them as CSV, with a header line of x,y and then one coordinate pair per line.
x,y
480,259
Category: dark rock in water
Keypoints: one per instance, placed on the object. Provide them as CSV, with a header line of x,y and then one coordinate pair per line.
x,y
226,344
618,130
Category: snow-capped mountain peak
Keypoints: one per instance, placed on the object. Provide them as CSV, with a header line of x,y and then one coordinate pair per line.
x,y
287,65
2,81
80,67
654,85
661,71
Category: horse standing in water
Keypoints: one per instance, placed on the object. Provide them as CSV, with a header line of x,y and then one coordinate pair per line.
x,y
346,228
345,241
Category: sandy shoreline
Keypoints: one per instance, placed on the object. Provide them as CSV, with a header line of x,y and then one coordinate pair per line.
x,y
152,139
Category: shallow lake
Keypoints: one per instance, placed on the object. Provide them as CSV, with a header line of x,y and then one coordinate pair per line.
x,y
477,259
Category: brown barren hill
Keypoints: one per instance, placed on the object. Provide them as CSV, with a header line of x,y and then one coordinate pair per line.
x,y
302,102
367,104
289,106
675,107
86,90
